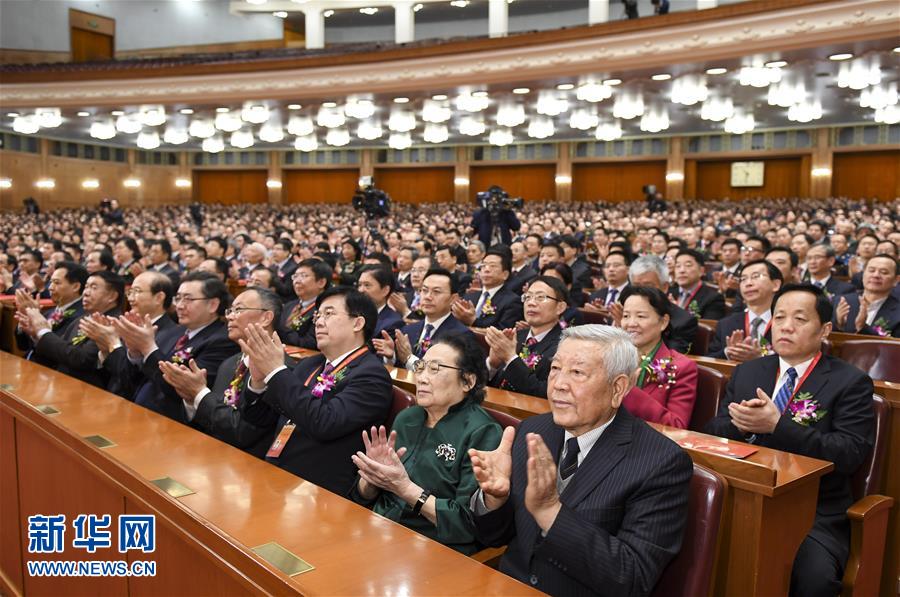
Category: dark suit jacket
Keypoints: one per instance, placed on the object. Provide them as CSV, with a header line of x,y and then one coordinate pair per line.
x,y
843,436
681,331
208,349
77,360
124,377
889,312
835,288
622,518
451,326
519,377
710,304
305,334
483,225
517,281
404,284
388,320
507,307
23,340
286,272
604,292
172,273
329,429
229,424
726,326
581,275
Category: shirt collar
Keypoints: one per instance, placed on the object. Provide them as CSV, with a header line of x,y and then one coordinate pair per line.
x,y
587,440
68,305
436,323
540,336
492,291
766,315
823,281
341,358
192,333
619,288
783,366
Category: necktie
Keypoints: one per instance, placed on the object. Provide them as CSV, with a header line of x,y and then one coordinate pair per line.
x,y
754,327
611,296
415,301
784,394
181,342
818,284
426,340
531,341
485,296
328,369
569,463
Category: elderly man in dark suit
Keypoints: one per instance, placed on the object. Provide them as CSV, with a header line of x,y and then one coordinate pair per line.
x,y
493,305
589,498
219,411
808,403
310,279
321,408
875,312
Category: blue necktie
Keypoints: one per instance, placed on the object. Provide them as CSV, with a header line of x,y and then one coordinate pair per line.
x,y
784,394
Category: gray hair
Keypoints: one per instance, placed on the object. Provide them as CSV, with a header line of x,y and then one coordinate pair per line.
x,y
479,244
620,357
649,263
829,250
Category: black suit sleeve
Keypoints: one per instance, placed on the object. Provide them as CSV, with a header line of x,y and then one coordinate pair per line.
x,y
717,344
680,339
496,528
523,379
715,308
209,357
81,357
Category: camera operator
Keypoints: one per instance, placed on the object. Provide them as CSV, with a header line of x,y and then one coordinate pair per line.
x,y
495,220
655,201
111,212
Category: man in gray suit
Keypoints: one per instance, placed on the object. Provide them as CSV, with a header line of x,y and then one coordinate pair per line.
x,y
589,498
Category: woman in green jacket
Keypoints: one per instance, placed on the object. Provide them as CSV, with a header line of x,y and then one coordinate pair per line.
x,y
427,482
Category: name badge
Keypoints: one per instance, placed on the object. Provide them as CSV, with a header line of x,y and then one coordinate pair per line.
x,y
280,440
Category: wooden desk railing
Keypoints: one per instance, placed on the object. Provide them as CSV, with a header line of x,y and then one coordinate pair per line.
x,y
204,539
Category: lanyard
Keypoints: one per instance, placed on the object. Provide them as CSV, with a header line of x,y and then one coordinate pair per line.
x,y
359,352
693,294
645,363
809,369
747,325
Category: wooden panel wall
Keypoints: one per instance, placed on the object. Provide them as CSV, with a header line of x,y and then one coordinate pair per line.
x,y
416,185
616,181
89,45
320,185
866,174
711,179
231,186
533,182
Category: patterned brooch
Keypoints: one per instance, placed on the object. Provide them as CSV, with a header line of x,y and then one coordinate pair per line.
x,y
446,451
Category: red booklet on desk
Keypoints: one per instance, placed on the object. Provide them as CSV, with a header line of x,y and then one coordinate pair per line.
x,y
717,446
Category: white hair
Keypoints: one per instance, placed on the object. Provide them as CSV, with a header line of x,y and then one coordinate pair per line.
x,y
620,357
649,263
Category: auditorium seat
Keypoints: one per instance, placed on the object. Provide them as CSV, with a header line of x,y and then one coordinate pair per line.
x,y
710,391
401,399
593,317
689,574
869,515
880,359
700,346
504,419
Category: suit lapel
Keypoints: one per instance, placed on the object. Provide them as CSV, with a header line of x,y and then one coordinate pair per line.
x,y
817,377
609,449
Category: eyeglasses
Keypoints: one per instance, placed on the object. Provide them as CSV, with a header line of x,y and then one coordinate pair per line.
x,y
540,299
187,299
749,249
434,367
754,277
419,270
425,291
238,310
132,291
301,276
325,315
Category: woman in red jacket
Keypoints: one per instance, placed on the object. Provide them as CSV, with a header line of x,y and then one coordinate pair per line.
x,y
666,386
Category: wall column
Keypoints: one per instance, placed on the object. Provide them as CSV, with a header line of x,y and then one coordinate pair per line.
x,y
701,4
598,11
498,18
821,174
404,22
184,194
564,173
275,176
461,180
315,28
367,163
674,190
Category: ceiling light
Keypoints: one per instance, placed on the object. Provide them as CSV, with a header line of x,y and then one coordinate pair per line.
x,y
521,90
212,144
401,100
369,130
805,111
481,94
758,75
228,122
717,109
471,126
359,108
82,114
400,141
888,115
306,143
116,113
859,73
148,140
337,137
271,131
674,176
688,90
5,183
459,3
655,119
26,125
501,137
628,105
131,183
294,106
562,179
280,14
541,127
182,183
896,50
469,102
326,14
256,1
439,97
837,57
273,184
300,126
418,7
401,121
716,71
128,125
460,180
740,122
565,86
661,77
821,172
776,64
186,111
583,119
202,129
551,104
330,116
48,118
12,114
510,114
152,115
435,133
175,135
90,183
435,111
255,113
223,110
103,129
784,93
45,183
612,82
329,105
369,10
878,97
593,92
242,139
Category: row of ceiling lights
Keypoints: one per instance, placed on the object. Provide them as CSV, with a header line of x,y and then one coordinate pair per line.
x,y
861,74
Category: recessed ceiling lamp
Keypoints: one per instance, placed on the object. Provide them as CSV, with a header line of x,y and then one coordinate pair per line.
x,y
186,111
326,14
83,113
369,10
839,57
418,7
776,64
223,110
116,113
716,71
459,3
329,105
521,90
439,97
257,1
612,82
401,100
661,77
294,106
12,114
565,86
281,14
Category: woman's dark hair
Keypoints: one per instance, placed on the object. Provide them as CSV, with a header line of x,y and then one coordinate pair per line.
x,y
132,246
471,361
555,284
357,252
358,305
212,288
562,269
106,259
654,296
382,275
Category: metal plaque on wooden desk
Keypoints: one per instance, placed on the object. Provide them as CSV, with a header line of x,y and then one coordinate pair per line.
x,y
282,559
172,487
100,441
47,409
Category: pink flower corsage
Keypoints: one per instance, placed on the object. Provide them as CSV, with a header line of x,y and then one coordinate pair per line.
x,y
325,382
180,357
879,326
234,388
804,410
531,359
661,372
423,346
58,316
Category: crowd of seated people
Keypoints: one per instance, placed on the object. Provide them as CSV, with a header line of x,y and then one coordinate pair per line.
x,y
194,319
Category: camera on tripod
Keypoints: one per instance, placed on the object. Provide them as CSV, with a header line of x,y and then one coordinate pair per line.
x,y
495,200
374,202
